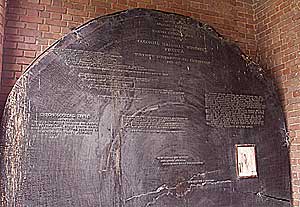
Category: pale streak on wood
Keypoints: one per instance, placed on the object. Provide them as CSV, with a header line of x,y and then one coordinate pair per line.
x,y
14,149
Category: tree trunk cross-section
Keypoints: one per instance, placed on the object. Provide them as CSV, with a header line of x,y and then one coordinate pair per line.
x,y
144,109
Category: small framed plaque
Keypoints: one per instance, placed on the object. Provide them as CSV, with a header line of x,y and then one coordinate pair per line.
x,y
246,161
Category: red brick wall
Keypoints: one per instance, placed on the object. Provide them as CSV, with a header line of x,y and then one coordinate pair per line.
x,y
32,25
278,40
2,23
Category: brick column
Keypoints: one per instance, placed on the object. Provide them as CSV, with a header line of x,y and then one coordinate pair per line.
x,y
2,23
278,37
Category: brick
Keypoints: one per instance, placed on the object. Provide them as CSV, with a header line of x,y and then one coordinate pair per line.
x,y
29,5
23,60
274,22
45,47
32,12
76,12
77,6
9,59
18,74
51,35
29,39
132,4
56,22
7,74
100,3
11,31
13,52
42,41
81,1
32,19
14,38
250,26
8,82
122,2
65,30
55,29
56,16
145,1
46,2
26,46
15,24
100,11
67,17
29,32
72,25
57,3
90,8
56,9
43,27
30,54
44,14
9,44
5,90
33,1
78,19
16,11
31,25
